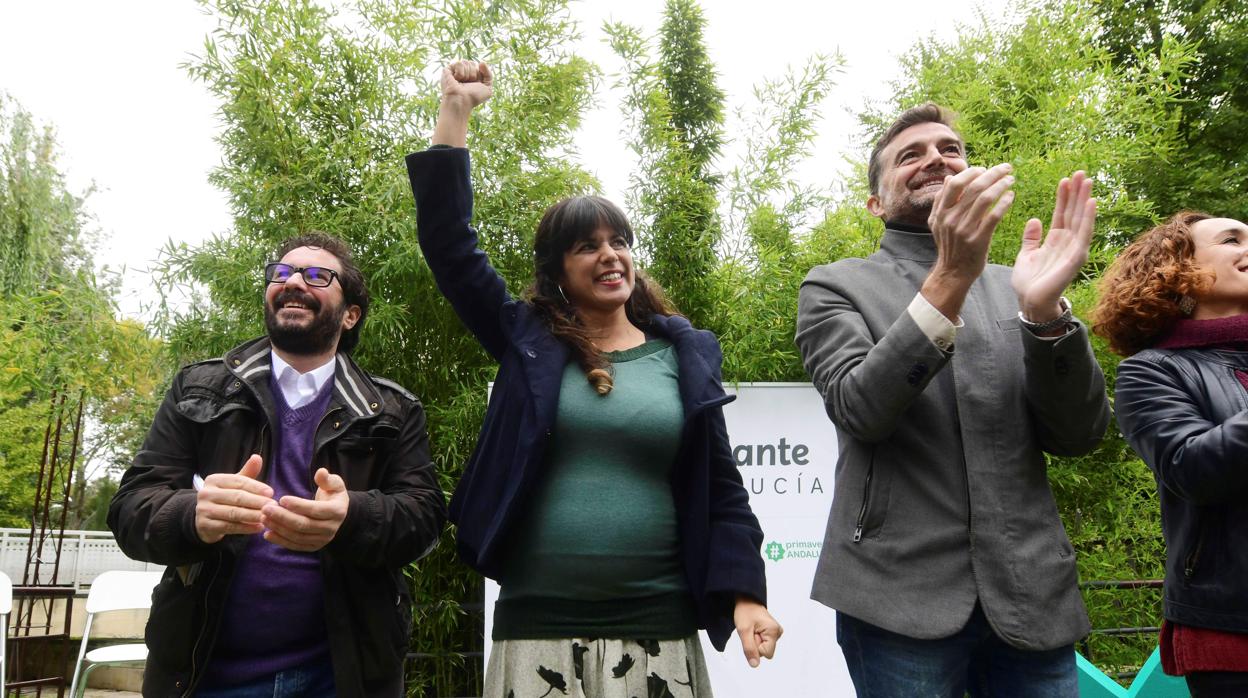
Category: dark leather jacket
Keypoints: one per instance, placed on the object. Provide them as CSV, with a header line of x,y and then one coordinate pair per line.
x,y
214,416
1186,414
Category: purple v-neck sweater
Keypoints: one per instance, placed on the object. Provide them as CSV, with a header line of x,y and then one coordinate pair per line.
x,y
275,617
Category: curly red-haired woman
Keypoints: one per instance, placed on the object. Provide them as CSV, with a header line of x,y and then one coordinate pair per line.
x,y
1176,302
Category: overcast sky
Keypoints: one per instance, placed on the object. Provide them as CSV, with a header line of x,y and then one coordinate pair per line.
x,y
106,75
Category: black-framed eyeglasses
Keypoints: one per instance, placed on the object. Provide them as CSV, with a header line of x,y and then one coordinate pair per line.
x,y
280,273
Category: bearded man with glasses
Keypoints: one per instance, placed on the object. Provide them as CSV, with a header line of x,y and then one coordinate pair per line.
x,y
286,489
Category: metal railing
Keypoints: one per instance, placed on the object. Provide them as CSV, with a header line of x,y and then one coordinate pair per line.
x,y
1083,644
84,555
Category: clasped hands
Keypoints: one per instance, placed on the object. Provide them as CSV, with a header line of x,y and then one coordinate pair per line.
x,y
966,213
238,503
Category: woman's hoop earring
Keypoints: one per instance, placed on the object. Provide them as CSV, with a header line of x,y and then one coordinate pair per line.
x,y
565,296
1187,304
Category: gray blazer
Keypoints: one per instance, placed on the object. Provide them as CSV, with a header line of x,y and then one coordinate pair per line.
x,y
941,494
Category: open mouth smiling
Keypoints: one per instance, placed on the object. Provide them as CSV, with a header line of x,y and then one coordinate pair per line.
x,y
295,304
929,182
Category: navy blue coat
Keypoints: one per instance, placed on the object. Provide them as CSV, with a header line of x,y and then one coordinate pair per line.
x,y
719,534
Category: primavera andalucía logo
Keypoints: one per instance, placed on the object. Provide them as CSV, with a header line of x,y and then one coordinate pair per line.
x,y
778,551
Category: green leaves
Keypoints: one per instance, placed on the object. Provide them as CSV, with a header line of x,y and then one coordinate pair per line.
x,y
676,113
1212,86
42,225
726,244
59,330
1043,95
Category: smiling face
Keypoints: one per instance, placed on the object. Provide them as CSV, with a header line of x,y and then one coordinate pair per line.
x,y
306,320
913,167
598,274
1222,248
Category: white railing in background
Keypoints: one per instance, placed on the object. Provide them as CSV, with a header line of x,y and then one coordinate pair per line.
x,y
84,555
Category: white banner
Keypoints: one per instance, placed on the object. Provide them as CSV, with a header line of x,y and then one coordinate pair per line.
x,y
785,448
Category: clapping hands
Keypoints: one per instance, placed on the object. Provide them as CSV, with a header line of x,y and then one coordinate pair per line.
x,y
1046,265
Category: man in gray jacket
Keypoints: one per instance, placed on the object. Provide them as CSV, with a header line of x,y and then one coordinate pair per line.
x,y
944,555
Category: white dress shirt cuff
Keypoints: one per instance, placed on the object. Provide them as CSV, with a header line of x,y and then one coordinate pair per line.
x,y
933,323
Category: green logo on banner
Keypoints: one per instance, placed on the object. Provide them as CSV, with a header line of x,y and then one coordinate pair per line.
x,y
775,551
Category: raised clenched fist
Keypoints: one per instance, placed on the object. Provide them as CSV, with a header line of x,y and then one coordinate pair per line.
x,y
467,82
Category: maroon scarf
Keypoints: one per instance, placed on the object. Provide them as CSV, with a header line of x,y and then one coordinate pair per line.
x,y
1219,333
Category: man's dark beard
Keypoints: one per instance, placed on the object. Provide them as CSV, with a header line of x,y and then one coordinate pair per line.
x,y
316,338
913,215
916,213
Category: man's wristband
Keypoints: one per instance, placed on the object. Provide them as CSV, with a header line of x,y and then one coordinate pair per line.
x,y
1061,321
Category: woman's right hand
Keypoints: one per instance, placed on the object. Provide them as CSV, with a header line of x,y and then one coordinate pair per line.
x,y
465,86
469,84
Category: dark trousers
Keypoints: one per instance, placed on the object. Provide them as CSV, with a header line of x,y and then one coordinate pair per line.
x,y
973,660
1217,684
313,680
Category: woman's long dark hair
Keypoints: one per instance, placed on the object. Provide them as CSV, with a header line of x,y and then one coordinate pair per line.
x,y
563,225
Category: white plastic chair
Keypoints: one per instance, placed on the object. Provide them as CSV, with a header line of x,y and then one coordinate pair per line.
x,y
114,590
6,607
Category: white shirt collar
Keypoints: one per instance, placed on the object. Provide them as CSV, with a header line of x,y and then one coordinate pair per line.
x,y
299,388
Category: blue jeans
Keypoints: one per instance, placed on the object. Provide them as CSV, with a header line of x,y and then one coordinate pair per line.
x,y
973,660
313,680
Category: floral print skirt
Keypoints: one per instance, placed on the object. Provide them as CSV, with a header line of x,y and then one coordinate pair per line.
x,y
584,668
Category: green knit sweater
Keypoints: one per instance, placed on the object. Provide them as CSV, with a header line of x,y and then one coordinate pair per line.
x,y
597,553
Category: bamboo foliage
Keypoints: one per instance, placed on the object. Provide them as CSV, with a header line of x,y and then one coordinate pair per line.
x,y
59,326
